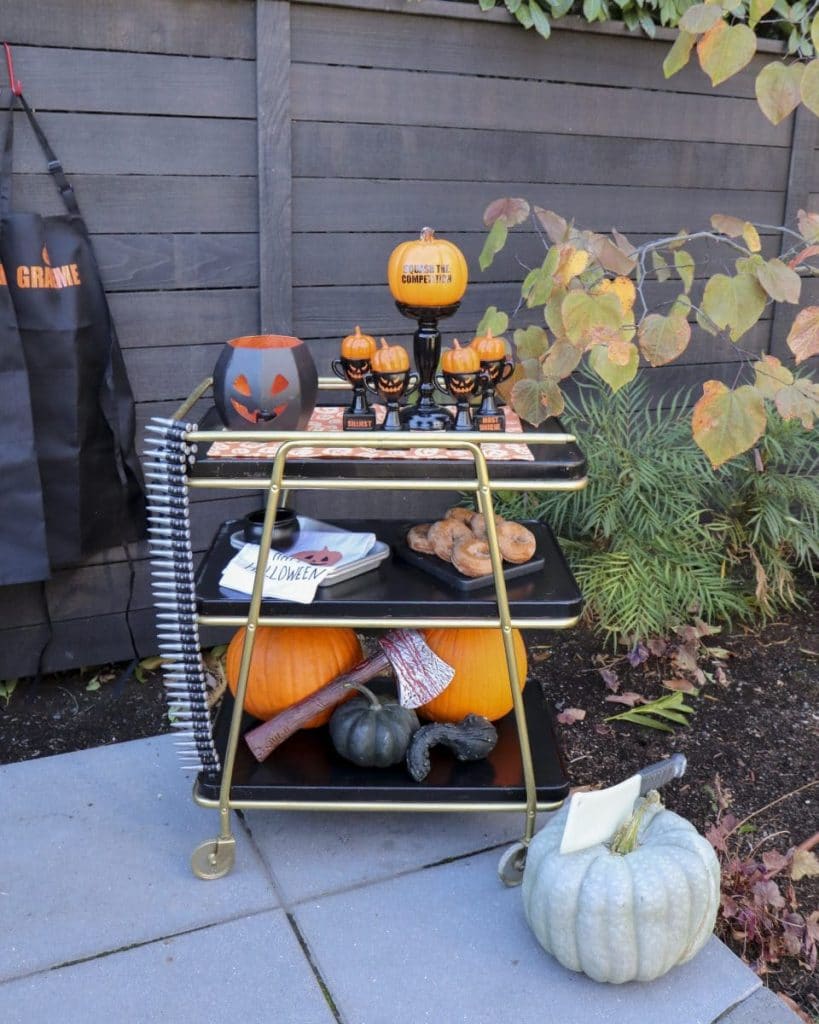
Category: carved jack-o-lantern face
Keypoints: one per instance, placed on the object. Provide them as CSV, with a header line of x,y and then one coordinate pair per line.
x,y
263,381
323,557
391,383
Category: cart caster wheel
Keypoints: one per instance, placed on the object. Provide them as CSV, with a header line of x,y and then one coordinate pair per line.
x,y
213,858
511,865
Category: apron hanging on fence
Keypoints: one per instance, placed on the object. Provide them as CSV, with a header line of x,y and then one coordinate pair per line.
x,y
82,409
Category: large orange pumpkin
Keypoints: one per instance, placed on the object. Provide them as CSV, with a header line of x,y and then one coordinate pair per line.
x,y
427,271
481,683
289,663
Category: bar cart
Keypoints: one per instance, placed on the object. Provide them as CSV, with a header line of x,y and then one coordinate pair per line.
x,y
525,771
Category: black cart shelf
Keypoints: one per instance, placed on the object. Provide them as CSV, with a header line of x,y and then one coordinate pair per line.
x,y
525,771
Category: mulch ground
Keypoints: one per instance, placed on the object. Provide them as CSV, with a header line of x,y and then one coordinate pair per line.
x,y
752,745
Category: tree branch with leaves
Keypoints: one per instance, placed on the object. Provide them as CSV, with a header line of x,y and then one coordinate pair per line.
x,y
591,290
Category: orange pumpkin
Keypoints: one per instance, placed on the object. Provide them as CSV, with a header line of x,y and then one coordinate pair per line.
x,y
489,347
289,663
460,360
358,345
481,683
428,271
389,358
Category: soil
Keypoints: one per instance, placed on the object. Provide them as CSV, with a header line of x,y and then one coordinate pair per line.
x,y
752,745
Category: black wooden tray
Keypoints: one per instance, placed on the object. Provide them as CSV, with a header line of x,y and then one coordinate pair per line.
x,y
447,573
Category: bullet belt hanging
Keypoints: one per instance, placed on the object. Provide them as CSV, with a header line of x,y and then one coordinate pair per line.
x,y
168,456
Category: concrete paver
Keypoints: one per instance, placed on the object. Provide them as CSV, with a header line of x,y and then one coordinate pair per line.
x,y
95,856
251,970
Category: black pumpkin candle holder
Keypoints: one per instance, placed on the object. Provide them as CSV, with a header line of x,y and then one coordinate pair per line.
x,y
426,414
358,415
391,386
461,385
488,416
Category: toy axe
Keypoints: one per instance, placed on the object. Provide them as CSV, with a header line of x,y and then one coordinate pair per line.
x,y
419,672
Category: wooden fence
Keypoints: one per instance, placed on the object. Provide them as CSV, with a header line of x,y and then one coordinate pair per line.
x,y
250,165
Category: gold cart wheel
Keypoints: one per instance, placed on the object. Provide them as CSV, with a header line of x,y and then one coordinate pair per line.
x,y
511,865
213,858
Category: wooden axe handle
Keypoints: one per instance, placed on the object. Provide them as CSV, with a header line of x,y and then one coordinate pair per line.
x,y
264,739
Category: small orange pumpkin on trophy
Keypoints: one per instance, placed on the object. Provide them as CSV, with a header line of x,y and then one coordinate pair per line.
x,y
495,368
390,379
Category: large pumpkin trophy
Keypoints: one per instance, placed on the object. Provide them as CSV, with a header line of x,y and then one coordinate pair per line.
x,y
427,279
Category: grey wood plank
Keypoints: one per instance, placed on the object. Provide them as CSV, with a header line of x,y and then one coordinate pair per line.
x,y
374,205
143,262
136,83
393,39
144,203
206,27
361,258
170,372
139,144
797,196
376,96
153,319
274,159
340,150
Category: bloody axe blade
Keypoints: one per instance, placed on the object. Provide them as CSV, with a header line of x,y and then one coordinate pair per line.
x,y
420,673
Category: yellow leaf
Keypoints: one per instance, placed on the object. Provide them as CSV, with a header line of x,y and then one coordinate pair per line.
x,y
623,288
810,87
724,51
727,423
582,312
779,281
751,237
758,9
728,225
616,375
679,54
700,17
808,224
733,303
663,338
771,376
814,32
778,90
685,268
803,337
799,401
805,863
572,262
621,352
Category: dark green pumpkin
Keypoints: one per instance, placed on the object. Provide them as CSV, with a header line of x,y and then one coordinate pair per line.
x,y
371,731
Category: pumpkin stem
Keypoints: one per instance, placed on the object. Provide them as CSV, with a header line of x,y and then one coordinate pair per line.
x,y
367,692
427,234
456,343
384,343
625,838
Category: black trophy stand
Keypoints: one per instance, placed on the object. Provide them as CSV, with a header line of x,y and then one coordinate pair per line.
x,y
425,414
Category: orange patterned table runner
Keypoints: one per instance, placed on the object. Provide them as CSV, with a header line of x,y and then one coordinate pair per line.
x,y
328,417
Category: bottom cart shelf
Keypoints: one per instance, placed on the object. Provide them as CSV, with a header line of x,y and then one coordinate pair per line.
x,y
305,772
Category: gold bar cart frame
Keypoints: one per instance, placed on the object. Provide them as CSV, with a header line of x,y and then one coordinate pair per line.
x,y
214,858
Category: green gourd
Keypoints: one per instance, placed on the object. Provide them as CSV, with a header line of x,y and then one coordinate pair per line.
x,y
372,731
628,910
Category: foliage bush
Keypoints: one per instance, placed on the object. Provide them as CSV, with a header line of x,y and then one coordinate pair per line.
x,y
658,538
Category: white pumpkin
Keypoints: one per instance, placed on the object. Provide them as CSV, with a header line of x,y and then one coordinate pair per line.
x,y
623,917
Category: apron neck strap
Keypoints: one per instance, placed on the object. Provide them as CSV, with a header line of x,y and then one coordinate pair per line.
x,y
55,168
5,160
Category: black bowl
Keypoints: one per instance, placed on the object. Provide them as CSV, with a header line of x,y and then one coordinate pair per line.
x,y
284,530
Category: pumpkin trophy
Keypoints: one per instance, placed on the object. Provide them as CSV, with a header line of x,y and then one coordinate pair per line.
x,y
265,381
495,368
427,278
356,352
391,379
460,378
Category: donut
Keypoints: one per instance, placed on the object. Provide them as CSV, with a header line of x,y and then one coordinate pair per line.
x,y
418,540
444,534
471,557
516,543
477,523
462,514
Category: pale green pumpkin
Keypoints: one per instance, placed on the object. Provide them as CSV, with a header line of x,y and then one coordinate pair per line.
x,y
623,917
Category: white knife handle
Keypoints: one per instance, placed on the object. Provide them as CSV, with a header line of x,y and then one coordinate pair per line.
x,y
656,775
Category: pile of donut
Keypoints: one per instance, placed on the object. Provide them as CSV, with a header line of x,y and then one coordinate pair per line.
x,y
460,538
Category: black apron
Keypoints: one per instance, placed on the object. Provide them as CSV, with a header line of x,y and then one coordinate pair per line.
x,y
90,492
